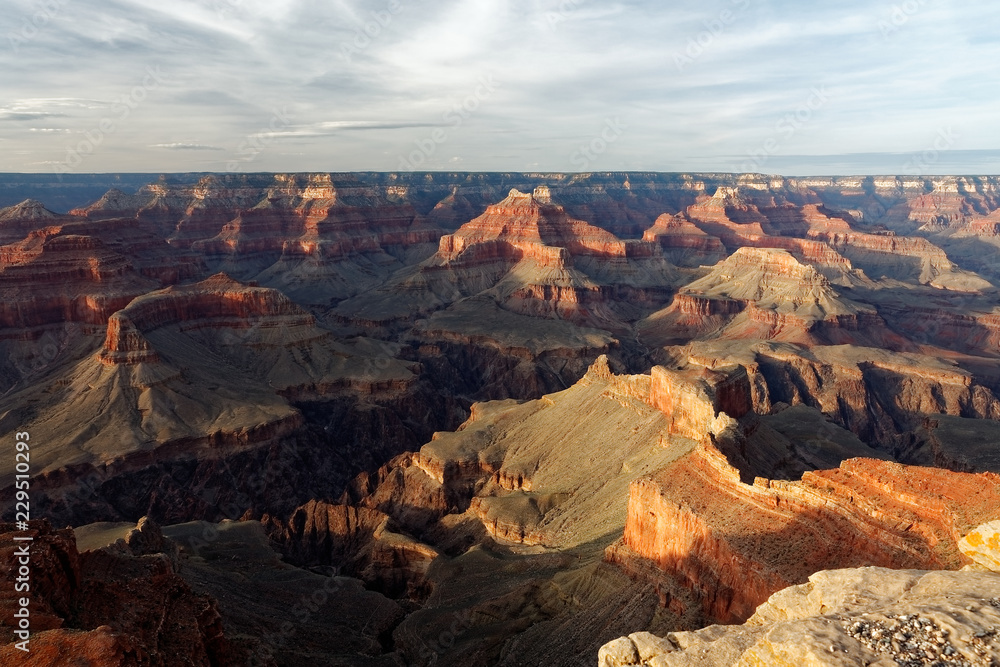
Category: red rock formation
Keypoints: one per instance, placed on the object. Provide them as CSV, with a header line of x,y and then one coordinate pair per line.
x,y
18,221
529,256
315,240
876,394
765,293
215,302
124,343
730,209
735,544
683,243
694,399
533,225
148,253
358,539
120,606
218,297
944,207
828,240
51,277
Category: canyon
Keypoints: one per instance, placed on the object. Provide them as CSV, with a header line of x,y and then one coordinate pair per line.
x,y
508,419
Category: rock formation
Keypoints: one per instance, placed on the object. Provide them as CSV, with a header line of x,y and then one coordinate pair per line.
x,y
498,399
694,403
735,544
982,546
683,243
361,542
532,258
121,605
767,294
866,616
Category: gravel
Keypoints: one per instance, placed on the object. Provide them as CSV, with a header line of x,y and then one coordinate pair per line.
x,y
914,641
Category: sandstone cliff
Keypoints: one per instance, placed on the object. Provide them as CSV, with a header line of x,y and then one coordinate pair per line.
x,y
735,544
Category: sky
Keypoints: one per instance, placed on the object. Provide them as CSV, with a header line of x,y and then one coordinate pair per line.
x,y
769,86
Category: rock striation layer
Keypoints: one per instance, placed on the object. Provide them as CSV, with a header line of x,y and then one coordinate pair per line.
x,y
735,544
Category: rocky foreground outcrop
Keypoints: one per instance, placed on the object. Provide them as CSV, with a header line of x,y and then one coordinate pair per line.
x,y
120,606
843,618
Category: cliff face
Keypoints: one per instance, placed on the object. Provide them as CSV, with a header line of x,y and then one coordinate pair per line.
x,y
51,278
694,401
735,544
362,544
315,239
683,243
122,605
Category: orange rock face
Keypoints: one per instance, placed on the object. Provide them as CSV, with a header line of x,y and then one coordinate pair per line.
x,y
683,243
692,400
528,222
735,544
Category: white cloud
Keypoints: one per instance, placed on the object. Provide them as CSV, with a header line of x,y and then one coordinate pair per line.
x,y
180,146
232,63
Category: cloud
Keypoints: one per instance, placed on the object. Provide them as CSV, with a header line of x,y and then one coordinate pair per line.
x,y
566,66
26,115
187,147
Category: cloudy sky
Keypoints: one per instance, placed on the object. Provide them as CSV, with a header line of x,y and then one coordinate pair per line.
x,y
774,86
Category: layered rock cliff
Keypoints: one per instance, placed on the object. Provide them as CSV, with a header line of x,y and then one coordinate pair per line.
x,y
735,544
767,294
